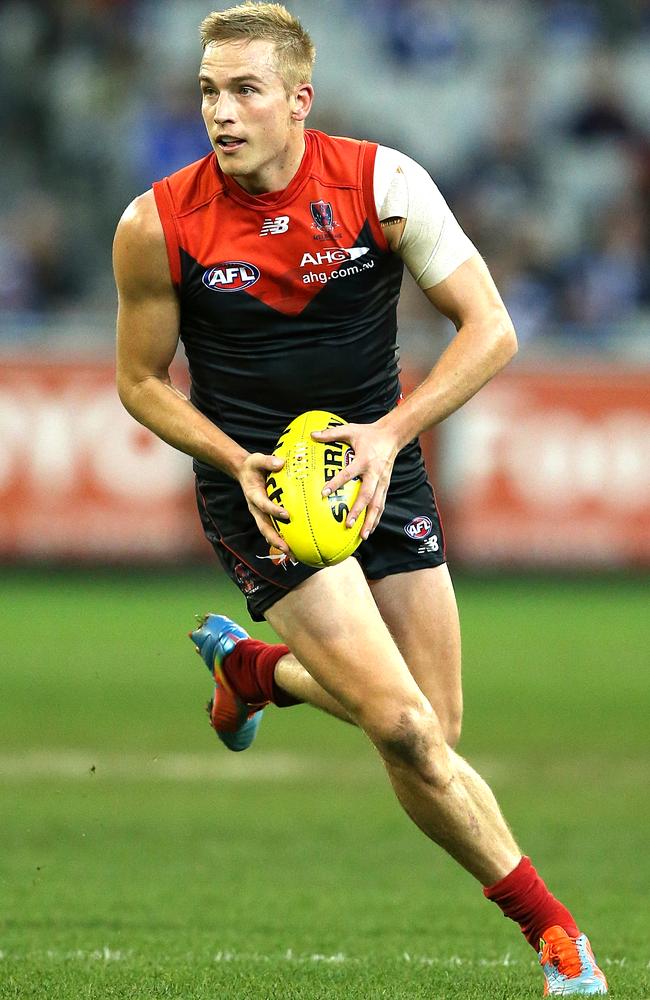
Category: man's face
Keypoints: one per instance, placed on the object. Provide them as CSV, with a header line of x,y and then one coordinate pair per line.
x,y
246,109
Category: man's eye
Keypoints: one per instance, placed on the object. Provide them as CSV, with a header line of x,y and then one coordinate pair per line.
x,y
246,90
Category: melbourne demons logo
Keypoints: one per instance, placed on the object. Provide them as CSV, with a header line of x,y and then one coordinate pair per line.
x,y
246,580
419,527
323,216
230,276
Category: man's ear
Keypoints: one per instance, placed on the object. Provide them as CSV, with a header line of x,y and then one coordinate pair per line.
x,y
301,102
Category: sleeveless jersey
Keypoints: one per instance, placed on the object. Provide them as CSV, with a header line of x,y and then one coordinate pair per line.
x,y
287,300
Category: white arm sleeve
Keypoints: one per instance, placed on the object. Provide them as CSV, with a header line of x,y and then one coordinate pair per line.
x,y
433,245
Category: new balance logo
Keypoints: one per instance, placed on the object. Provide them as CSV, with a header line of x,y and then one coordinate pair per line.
x,y
273,227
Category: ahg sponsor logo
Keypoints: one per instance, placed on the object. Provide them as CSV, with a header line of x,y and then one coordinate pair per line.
x,y
329,256
230,276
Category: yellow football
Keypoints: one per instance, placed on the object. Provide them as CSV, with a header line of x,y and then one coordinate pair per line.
x,y
317,534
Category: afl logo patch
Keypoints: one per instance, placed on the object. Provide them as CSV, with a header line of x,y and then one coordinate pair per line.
x,y
230,276
419,527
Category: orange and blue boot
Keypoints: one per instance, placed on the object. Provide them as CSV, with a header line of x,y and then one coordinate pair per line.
x,y
234,722
569,965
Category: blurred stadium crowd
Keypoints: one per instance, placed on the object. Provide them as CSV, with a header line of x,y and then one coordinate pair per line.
x,y
533,118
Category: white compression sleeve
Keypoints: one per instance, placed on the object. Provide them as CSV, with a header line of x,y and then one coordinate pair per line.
x,y
433,244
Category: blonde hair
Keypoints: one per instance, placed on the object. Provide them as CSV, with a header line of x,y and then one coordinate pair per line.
x,y
294,49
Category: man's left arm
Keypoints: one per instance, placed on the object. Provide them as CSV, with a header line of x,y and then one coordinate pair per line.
x,y
484,342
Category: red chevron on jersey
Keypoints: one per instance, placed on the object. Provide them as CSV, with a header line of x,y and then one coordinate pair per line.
x,y
208,215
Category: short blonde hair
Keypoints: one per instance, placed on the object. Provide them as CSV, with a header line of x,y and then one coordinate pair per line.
x,y
295,51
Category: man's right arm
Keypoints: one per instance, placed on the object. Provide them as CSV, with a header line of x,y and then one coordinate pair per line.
x,y
147,338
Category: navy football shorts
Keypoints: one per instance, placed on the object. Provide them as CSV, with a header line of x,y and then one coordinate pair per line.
x,y
409,535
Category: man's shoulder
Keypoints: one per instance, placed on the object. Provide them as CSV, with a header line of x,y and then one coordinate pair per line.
x,y
139,253
191,185
139,225
337,155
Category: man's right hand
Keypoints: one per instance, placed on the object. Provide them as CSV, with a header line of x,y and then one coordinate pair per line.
x,y
252,479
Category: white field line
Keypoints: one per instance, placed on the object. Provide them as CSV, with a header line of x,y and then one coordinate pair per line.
x,y
277,765
221,765
106,954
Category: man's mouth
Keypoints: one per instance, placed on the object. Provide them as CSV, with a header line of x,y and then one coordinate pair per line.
x,y
229,143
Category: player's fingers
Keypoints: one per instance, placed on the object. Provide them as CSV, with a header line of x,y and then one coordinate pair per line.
x,y
373,516
363,499
357,509
274,510
341,478
256,484
341,433
366,493
269,533
276,541
266,463
375,508
266,506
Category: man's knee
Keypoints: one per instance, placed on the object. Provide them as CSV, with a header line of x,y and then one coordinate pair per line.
x,y
411,736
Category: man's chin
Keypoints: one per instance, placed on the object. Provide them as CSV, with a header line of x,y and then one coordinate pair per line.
x,y
231,164
227,167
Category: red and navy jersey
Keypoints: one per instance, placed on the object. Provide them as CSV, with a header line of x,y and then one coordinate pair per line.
x,y
287,300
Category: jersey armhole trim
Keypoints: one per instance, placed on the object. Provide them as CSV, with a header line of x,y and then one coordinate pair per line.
x,y
163,198
369,154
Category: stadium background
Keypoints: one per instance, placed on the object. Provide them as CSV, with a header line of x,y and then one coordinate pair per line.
x,y
534,120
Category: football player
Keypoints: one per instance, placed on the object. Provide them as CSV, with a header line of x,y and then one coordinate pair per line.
x,y
277,259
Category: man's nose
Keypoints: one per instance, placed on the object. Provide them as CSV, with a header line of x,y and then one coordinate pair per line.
x,y
224,110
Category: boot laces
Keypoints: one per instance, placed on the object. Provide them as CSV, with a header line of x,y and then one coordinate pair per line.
x,y
564,955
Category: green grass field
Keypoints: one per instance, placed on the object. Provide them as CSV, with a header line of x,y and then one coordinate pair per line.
x,y
139,859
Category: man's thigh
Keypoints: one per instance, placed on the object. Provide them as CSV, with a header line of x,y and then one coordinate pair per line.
x,y
333,626
420,611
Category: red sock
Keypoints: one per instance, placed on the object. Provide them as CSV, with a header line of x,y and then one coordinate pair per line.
x,y
250,670
523,896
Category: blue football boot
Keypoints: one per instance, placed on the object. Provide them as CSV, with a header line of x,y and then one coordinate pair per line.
x,y
234,722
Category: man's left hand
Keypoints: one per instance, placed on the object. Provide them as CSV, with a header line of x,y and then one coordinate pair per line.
x,y
375,450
